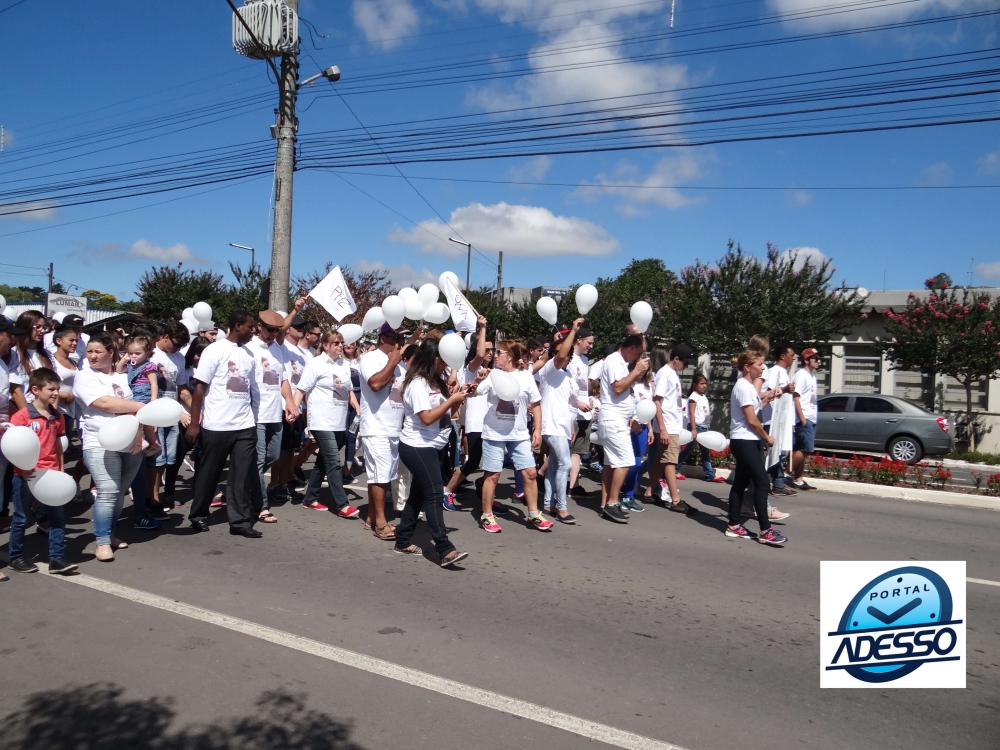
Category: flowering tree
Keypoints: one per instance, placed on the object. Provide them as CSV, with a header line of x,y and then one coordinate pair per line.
x,y
949,332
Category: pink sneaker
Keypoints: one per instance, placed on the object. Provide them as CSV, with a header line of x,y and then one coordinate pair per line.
x,y
541,523
347,512
489,523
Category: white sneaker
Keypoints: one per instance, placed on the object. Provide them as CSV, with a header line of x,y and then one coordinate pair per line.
x,y
665,495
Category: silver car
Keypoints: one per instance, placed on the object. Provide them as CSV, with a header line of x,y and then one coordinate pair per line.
x,y
881,424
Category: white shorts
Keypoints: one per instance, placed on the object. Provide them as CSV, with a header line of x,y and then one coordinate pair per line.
x,y
616,439
381,459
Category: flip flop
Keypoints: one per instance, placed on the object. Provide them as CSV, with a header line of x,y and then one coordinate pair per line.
x,y
4,578
267,516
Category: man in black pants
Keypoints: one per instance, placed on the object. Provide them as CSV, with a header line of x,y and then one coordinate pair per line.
x,y
224,407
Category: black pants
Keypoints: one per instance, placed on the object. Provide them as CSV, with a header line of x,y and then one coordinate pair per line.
x,y
240,447
749,455
426,493
475,457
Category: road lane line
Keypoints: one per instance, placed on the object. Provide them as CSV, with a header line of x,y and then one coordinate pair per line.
x,y
983,581
485,698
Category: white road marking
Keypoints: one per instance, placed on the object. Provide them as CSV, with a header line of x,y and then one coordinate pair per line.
x,y
983,581
485,698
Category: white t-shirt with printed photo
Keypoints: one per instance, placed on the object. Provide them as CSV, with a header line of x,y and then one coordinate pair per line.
x,y
579,367
558,389
270,371
667,386
475,406
88,386
422,396
19,374
232,399
508,420
702,411
615,406
172,372
744,394
296,358
381,411
806,388
327,383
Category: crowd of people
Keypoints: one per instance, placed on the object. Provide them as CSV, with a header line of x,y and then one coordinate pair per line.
x,y
264,393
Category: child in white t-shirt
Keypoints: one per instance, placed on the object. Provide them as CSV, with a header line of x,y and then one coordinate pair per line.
x,y
698,418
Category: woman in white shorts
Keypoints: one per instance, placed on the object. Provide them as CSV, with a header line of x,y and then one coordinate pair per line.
x,y
505,427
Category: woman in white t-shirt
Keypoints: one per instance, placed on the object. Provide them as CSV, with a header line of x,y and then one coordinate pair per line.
x,y
747,438
505,428
31,354
423,445
103,394
326,380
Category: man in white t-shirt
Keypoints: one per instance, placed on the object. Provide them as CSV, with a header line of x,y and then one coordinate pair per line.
x,y
613,427
381,422
276,405
284,470
669,398
224,408
777,378
579,368
171,378
806,411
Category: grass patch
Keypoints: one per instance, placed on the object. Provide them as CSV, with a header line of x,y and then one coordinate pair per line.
x,y
975,457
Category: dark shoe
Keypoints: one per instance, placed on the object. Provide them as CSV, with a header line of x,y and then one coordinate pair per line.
x,y
293,494
300,475
199,525
566,519
783,492
23,565
61,567
250,533
453,557
578,491
614,513
146,523
158,511
772,538
803,486
680,507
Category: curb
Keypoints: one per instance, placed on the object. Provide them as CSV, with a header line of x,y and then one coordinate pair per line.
x,y
887,492
985,468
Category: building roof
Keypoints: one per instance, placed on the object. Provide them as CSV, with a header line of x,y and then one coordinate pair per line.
x,y
92,317
895,299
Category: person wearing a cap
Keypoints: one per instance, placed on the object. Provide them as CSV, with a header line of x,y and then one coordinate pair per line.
x,y
207,329
75,322
282,484
381,423
806,412
277,405
8,361
224,418
669,397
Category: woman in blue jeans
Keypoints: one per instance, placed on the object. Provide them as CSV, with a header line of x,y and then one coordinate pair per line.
x,y
103,395
326,382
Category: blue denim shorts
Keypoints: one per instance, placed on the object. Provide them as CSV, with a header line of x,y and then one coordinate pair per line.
x,y
520,453
805,437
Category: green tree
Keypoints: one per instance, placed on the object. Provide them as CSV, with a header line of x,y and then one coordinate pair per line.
x,y
101,300
948,333
165,291
249,293
15,294
940,281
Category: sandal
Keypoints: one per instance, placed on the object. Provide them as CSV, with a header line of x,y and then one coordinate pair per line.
x,y
411,550
267,516
453,557
386,533
368,525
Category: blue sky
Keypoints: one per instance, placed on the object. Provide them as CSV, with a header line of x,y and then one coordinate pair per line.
x,y
80,71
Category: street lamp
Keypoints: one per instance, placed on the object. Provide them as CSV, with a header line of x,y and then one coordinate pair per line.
x,y
468,260
332,74
244,247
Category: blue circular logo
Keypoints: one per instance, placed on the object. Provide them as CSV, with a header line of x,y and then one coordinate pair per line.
x,y
902,600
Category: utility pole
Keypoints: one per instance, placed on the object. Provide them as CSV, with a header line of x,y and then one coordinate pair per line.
x,y
500,278
468,259
52,271
284,171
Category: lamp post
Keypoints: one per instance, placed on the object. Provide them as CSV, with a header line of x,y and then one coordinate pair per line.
x,y
468,259
244,247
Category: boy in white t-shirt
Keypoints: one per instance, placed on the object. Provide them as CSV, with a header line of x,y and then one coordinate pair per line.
x,y
669,400
806,411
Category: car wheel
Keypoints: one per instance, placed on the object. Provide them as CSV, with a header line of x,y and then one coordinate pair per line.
x,y
906,448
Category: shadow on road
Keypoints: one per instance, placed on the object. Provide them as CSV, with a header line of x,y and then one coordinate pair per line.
x,y
97,717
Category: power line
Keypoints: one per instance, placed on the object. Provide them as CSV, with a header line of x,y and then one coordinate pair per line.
x,y
11,7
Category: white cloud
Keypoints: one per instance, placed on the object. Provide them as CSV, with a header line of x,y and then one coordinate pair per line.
x,y
516,230
139,250
989,164
384,21
939,173
30,211
531,170
657,188
811,255
798,197
400,276
988,270
850,13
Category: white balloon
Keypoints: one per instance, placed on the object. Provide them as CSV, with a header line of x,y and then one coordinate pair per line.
x,y
452,350
373,319
505,384
59,317
407,293
548,309
164,412
685,437
52,487
393,310
20,446
468,341
586,298
447,275
188,313
437,313
429,294
202,312
191,325
714,441
414,308
64,442
645,410
118,434
641,314
351,332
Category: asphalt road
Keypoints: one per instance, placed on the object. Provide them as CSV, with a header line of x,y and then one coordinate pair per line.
x,y
662,627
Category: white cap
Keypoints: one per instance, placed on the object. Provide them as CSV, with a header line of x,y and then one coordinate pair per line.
x,y
208,325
